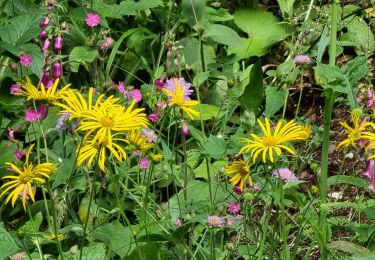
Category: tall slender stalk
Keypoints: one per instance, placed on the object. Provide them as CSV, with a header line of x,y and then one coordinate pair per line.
x,y
329,100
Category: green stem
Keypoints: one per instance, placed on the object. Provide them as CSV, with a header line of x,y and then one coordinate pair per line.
x,y
285,102
300,94
285,253
186,179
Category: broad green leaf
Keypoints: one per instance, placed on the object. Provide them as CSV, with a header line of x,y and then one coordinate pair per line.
x,y
344,179
7,152
223,34
126,7
356,69
81,55
274,100
370,256
18,7
201,170
94,252
217,15
33,225
193,11
7,246
360,33
116,237
254,92
20,29
215,147
191,53
347,247
207,111
263,28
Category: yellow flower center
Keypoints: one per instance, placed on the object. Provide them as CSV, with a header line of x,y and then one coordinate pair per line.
x,y
269,141
25,177
107,122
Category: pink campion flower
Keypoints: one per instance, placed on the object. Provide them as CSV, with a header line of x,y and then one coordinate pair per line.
x,y
106,43
178,222
369,173
153,117
214,221
92,20
234,208
229,222
159,84
144,163
171,85
26,60
161,105
285,174
18,154
31,115
136,95
11,135
15,89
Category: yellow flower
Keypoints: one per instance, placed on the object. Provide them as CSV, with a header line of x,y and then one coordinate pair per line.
x,y
242,173
50,95
22,183
353,133
178,95
157,157
55,236
137,141
91,148
273,141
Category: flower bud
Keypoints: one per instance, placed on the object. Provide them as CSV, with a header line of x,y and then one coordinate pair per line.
x,y
45,44
324,208
57,69
42,111
185,129
369,98
64,25
58,43
43,33
45,21
45,78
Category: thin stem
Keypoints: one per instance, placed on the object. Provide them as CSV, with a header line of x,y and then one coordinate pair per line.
x,y
300,94
285,102
285,253
186,179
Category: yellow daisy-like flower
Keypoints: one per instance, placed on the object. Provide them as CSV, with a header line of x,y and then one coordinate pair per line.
x,y
137,141
91,148
178,94
157,157
354,133
242,173
51,95
25,180
273,141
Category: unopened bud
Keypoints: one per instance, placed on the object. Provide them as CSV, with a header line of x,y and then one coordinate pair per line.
x,y
185,129
57,69
58,43
45,44
45,21
43,33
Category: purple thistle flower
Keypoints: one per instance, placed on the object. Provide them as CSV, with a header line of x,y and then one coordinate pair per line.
x,y
303,60
92,20
136,95
153,117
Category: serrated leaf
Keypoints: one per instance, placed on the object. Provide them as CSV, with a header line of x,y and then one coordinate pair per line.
x,y
215,147
81,55
344,179
223,34
253,94
7,246
347,247
33,224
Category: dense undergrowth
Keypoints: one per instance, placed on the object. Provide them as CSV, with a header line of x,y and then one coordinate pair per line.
x,y
162,129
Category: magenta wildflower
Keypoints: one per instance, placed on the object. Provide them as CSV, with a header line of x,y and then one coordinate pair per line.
x,y
58,43
45,78
136,95
26,60
18,154
42,111
15,89
285,174
45,44
159,84
121,88
171,85
302,60
144,163
57,70
153,117
178,222
43,33
214,221
31,115
106,43
11,135
45,21
185,129
369,173
237,190
92,19
229,222
234,208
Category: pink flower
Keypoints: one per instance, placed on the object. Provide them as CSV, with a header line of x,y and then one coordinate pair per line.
x,y
229,222
144,163
369,99
285,174
18,154
234,208
42,111
45,45
159,84
237,190
31,115
153,117
136,95
214,221
171,85
239,217
92,19
43,33
15,89
106,43
58,43
303,60
11,135
161,105
369,173
178,222
45,21
26,60
121,88
57,69
185,129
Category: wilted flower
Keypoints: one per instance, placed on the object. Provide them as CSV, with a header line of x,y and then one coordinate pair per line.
x,y
234,208
229,222
161,105
57,69
285,174
303,60
18,256
15,89
214,221
144,163
369,98
136,95
45,78
369,173
26,60
43,111
92,19
106,43
237,189
121,88
11,134
153,117
157,158
239,217
58,43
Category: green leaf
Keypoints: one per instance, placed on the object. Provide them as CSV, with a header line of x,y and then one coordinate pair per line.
x,y
360,33
223,34
116,237
81,55
350,180
217,15
21,29
18,7
33,225
127,7
263,28
347,247
7,246
274,100
214,148
356,69
7,152
254,93
94,252
193,11
201,170
207,111
370,256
